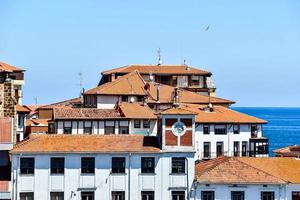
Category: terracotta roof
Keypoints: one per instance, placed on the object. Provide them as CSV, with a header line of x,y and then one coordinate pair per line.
x,y
290,151
65,103
158,69
287,169
220,114
166,95
136,111
129,84
6,130
87,144
84,113
37,122
177,111
22,109
9,68
232,170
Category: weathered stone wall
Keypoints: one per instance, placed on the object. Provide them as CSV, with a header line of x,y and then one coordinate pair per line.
x,y
1,100
8,103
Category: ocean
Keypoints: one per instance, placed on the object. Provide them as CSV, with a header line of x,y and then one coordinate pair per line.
x,y
283,127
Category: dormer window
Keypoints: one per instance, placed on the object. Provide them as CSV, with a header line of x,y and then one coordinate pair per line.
x,y
90,101
124,98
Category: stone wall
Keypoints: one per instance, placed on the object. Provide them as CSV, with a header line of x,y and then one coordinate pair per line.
x,y
1,100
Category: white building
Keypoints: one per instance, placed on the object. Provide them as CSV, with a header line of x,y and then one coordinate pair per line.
x,y
117,167
229,178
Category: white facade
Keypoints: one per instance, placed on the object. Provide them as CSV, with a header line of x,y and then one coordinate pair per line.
x,y
103,182
227,139
106,102
98,126
251,191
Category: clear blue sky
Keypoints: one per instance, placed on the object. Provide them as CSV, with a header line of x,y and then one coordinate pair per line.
x,y
252,47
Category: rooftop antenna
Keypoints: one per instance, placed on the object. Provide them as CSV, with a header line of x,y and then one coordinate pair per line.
x,y
80,82
159,57
36,101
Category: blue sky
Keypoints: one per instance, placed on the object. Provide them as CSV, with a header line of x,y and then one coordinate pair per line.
x,y
252,47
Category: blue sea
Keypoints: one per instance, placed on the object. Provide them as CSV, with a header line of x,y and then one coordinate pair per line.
x,y
283,128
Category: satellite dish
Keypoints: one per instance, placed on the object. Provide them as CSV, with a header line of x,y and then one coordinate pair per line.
x,y
131,99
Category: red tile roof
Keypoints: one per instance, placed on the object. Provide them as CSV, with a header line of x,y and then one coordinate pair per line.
x,y
84,113
289,151
22,109
177,111
231,170
166,95
9,68
129,84
136,111
65,103
87,144
220,114
159,69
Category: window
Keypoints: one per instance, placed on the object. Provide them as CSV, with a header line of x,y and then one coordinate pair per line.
x,y
140,98
87,130
206,149
118,195
236,129
67,130
178,195
90,101
267,196
88,165
220,129
26,196
118,165
51,128
124,98
207,195
56,196
146,123
147,195
57,165
236,148
27,165
244,148
147,164
137,123
206,129
178,165
237,195
295,195
254,130
109,128
123,130
87,195
220,148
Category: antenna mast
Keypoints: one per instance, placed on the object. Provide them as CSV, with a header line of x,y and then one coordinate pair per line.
x,y
159,57
80,82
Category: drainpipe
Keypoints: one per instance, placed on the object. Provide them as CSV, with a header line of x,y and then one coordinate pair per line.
x,y
187,180
12,181
129,177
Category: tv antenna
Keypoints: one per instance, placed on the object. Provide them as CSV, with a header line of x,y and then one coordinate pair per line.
x,y
159,57
80,82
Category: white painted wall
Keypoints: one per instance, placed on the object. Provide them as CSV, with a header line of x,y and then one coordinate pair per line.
x,y
228,139
252,191
98,126
145,131
162,181
106,102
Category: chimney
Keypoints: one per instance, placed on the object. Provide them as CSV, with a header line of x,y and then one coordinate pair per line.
x,y
157,92
176,97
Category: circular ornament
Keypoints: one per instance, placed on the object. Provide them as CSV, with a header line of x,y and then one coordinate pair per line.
x,y
178,128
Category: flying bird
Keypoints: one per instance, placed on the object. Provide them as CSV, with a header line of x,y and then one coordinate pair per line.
x,y
207,28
